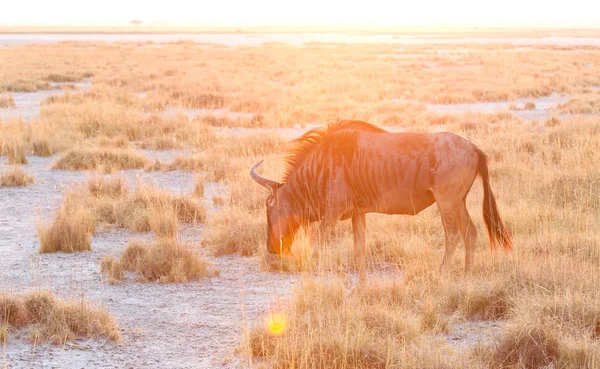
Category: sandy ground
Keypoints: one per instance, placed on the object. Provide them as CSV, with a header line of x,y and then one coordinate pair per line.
x,y
194,325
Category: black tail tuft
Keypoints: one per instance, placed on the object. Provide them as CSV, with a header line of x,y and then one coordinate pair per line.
x,y
497,231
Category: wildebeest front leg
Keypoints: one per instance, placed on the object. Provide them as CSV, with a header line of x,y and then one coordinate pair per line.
x,y
323,234
358,228
325,230
328,222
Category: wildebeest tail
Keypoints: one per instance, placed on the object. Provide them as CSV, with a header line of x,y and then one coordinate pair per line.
x,y
497,231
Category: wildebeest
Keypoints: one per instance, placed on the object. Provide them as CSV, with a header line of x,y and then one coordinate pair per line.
x,y
351,168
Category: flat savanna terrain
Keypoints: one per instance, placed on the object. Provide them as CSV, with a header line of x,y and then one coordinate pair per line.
x,y
131,234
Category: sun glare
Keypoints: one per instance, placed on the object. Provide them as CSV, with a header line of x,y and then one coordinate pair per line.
x,y
276,324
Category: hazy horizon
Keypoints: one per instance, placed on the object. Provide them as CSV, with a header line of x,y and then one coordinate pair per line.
x,y
310,13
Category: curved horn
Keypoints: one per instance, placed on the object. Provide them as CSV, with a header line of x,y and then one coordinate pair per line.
x,y
267,183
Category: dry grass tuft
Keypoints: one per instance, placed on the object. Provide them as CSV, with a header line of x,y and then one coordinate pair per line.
x,y
199,185
326,326
134,212
584,104
15,149
113,186
105,159
107,200
570,190
113,268
11,310
527,346
71,231
476,299
189,210
15,177
162,220
235,230
432,320
553,121
61,78
54,320
165,261
4,332
579,353
39,306
6,101
42,147
193,163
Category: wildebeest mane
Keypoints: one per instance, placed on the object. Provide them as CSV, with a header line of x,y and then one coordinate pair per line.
x,y
305,144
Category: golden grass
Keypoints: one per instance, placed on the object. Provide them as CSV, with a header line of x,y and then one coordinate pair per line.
x,y
49,319
235,230
113,268
113,186
544,175
6,101
4,332
529,346
106,200
199,185
15,149
162,221
63,78
326,326
165,261
218,201
41,147
70,231
15,177
584,104
104,159
134,211
289,93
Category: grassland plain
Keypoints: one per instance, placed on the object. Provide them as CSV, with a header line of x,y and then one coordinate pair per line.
x,y
170,113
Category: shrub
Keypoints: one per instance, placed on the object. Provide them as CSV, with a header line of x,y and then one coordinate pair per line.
x,y
15,177
113,268
71,231
15,149
55,320
530,346
165,261
235,230
7,101
105,159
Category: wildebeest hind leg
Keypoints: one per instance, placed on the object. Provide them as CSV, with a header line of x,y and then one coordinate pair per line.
x,y
469,234
451,232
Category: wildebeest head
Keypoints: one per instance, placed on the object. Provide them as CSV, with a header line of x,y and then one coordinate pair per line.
x,y
282,223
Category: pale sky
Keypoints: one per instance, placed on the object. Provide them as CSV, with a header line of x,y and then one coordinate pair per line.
x,y
241,13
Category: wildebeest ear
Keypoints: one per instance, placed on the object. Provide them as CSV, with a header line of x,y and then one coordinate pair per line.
x,y
267,183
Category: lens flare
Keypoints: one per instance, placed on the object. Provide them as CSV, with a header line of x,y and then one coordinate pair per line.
x,y
276,324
